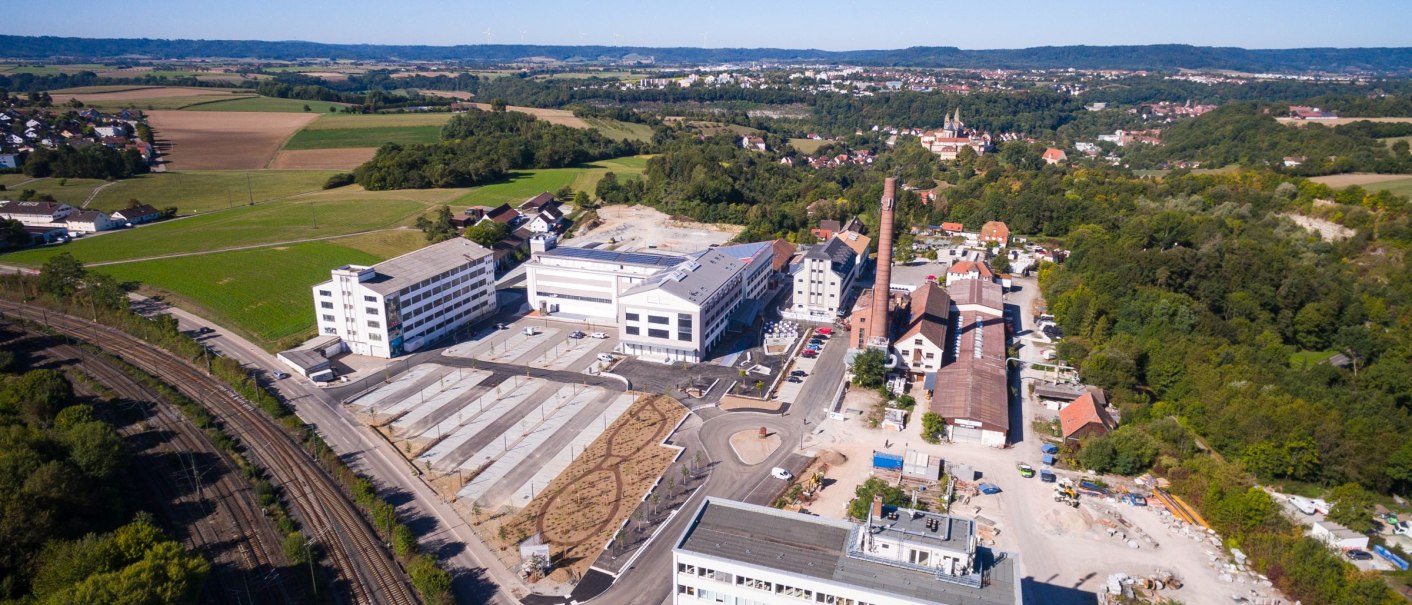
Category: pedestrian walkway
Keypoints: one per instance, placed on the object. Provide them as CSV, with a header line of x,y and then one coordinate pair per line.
x,y
554,415
561,460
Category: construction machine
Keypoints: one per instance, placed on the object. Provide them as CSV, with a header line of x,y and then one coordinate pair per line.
x,y
1064,493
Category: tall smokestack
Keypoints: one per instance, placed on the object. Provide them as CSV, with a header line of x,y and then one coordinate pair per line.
x,y
877,333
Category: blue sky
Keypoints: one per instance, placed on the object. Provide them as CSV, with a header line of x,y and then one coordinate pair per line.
x,y
825,24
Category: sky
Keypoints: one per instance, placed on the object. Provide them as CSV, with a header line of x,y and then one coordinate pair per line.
x,y
822,24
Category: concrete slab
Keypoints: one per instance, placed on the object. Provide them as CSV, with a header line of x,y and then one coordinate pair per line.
x,y
454,384
403,383
567,353
443,455
561,459
563,406
518,345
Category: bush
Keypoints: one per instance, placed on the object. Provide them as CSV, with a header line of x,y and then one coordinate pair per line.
x,y
342,179
933,427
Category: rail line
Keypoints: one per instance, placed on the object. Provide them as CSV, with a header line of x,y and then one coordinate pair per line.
x,y
359,558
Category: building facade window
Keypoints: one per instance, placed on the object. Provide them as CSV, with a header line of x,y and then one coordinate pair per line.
x,y
370,310
657,320
326,305
328,318
655,333
325,293
367,298
632,317
633,330
374,324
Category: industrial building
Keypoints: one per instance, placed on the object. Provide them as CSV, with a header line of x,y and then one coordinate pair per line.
x,y
972,390
403,304
742,554
823,279
667,306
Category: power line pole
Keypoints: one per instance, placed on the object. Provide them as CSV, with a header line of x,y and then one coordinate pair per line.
x,y
249,191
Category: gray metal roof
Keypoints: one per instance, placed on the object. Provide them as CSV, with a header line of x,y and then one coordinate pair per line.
x,y
816,548
695,279
398,273
833,250
651,259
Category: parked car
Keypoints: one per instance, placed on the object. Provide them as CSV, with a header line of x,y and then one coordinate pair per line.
x,y
528,331
576,334
799,373
1026,470
1046,475
1359,555
825,331
794,379
598,335
989,488
606,358
279,375
809,354
204,330
780,473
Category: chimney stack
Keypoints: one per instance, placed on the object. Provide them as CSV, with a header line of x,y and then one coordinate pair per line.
x,y
876,330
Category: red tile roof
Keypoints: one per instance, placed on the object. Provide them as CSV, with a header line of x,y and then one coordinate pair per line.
x,y
1081,413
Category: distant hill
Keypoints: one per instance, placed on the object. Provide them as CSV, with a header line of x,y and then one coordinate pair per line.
x,y
1155,57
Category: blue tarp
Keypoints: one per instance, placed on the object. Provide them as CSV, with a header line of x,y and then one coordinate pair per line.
x,y
1392,558
1049,448
887,461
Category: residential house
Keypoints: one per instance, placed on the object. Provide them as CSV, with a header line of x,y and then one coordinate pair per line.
x,y
969,270
1292,161
549,219
1083,418
953,228
537,202
137,215
922,342
995,232
89,221
753,143
1054,156
502,214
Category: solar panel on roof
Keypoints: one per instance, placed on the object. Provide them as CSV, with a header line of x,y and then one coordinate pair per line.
x,y
614,256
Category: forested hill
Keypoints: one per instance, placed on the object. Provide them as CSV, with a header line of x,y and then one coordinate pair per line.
x,y
1158,56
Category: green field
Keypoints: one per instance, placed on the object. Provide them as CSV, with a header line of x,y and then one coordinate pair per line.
x,y
621,131
1390,140
263,294
49,70
243,226
807,146
344,121
524,184
68,191
197,191
10,180
1305,359
1398,186
362,137
264,104
165,102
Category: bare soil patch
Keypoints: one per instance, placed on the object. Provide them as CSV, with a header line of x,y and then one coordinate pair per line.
x,y
1341,121
553,116
450,94
639,227
321,159
1344,180
151,93
223,140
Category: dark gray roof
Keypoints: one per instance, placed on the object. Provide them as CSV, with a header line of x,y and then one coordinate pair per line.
x,y
30,208
833,250
816,548
695,279
398,273
613,256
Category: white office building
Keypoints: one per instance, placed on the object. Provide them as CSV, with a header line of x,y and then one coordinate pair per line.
x,y
586,283
679,314
406,303
823,279
742,554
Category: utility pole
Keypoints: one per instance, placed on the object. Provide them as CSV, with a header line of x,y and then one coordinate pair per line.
x,y
249,190
313,208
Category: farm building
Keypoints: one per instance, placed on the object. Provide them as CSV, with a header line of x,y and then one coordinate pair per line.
x,y
1084,418
137,215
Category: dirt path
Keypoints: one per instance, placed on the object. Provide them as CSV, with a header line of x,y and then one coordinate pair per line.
x,y
246,247
94,193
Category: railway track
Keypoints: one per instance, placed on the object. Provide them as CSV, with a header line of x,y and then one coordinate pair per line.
x,y
223,518
363,566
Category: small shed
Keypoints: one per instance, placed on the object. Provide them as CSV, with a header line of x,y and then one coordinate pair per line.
x,y
921,466
1338,536
305,361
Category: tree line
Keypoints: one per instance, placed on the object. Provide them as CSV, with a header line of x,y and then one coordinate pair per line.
x,y
88,162
484,146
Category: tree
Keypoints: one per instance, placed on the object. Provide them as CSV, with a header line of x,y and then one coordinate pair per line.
x,y
307,108
37,395
1352,507
13,234
870,369
933,427
497,104
487,233
437,226
61,275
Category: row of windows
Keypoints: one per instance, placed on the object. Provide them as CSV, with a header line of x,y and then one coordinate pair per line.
x,y
591,299
439,277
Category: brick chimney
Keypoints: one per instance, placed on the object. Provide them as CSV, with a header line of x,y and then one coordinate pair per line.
x,y
876,328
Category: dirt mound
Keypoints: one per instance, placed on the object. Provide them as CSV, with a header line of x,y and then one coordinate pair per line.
x,y
832,458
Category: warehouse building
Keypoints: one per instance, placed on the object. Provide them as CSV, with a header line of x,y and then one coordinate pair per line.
x,y
972,390
406,303
735,553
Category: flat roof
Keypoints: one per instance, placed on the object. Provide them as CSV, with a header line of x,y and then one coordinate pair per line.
x,y
397,273
651,259
816,548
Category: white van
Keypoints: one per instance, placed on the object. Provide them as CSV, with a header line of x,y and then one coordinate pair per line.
x,y
528,331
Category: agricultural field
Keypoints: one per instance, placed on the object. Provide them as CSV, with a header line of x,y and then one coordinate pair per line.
x,y
622,131
1390,140
198,191
10,180
524,184
150,97
1402,186
229,140
261,224
267,104
69,191
321,159
362,137
385,244
49,70
345,121
807,146
1341,121
262,294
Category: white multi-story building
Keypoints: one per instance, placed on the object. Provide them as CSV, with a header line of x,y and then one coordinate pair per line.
x,y
742,554
922,343
823,280
681,313
403,304
586,283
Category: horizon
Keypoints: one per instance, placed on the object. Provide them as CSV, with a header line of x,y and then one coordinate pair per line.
x,y
733,24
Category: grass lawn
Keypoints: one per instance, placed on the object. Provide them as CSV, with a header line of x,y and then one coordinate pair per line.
x,y
1304,359
9,180
621,131
524,184
242,226
263,294
807,146
1390,140
196,191
263,104
1397,186
362,137
385,244
68,191
344,121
